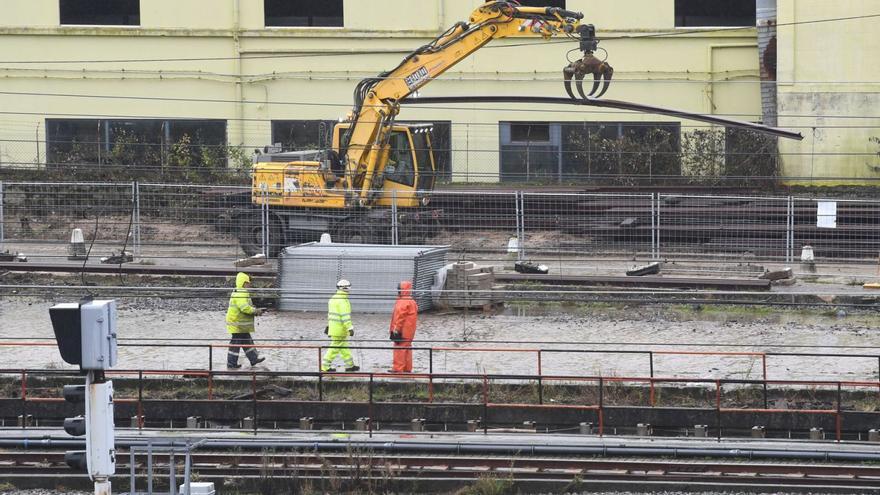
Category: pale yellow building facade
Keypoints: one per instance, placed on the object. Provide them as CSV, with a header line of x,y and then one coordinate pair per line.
x,y
829,87
218,61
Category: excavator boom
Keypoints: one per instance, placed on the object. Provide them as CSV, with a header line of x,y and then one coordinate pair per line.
x,y
377,99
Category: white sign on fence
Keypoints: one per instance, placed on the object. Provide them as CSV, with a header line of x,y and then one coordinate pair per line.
x,y
826,214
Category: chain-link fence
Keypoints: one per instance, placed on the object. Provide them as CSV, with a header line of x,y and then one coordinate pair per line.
x,y
155,221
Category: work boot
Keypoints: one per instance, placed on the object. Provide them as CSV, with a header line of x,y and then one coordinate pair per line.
x,y
233,366
258,360
352,368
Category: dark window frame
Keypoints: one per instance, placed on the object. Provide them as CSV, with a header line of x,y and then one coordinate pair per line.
x,y
711,13
543,3
279,13
538,139
78,12
113,138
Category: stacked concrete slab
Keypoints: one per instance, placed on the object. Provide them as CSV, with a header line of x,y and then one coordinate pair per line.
x,y
469,286
308,274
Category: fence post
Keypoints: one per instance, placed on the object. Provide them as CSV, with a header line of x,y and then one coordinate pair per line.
x,y
789,235
394,226
136,216
655,224
521,224
264,222
2,237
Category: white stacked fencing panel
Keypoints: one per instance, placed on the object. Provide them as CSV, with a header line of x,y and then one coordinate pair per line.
x,y
723,227
39,217
570,225
178,220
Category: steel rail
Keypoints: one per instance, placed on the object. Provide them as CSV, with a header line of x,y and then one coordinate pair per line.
x,y
519,467
602,103
582,280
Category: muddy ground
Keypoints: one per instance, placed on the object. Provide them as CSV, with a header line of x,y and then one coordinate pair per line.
x,y
562,327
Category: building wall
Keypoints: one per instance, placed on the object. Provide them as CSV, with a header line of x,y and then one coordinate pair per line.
x,y
258,74
829,86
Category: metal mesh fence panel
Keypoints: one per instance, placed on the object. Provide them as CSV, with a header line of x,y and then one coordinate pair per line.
x,y
837,229
479,223
573,224
190,221
723,226
155,220
38,218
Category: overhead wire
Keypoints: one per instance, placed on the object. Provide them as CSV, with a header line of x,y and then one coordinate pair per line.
x,y
536,42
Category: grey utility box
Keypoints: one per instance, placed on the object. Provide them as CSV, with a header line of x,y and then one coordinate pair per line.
x,y
308,274
98,320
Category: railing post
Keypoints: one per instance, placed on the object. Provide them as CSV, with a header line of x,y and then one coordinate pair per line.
x,y
210,357
149,466
370,409
172,476
764,366
601,406
651,363
485,405
718,408
23,400
540,364
837,419
131,466
431,360
140,399
254,390
320,386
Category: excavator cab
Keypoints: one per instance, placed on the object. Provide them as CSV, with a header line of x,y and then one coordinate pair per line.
x,y
405,168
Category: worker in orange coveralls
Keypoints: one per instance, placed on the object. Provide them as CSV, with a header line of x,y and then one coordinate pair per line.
x,y
403,327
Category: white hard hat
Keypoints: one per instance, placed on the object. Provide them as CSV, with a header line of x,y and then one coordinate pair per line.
x,y
343,284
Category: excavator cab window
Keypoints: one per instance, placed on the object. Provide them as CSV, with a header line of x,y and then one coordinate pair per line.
x,y
400,166
425,160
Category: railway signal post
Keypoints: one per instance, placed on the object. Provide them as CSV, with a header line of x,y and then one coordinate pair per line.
x,y
86,337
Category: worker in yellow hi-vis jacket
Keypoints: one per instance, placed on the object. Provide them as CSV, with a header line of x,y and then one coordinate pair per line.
x,y
339,328
240,323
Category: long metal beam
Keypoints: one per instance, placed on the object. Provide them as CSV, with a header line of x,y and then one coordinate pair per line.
x,y
620,105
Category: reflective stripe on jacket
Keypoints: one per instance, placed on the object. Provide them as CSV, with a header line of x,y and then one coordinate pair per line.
x,y
339,314
240,315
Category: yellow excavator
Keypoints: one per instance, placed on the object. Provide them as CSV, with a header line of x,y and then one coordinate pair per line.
x,y
374,162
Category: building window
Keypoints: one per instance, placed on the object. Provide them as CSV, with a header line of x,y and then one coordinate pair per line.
x,y
141,143
101,12
573,151
543,3
706,13
529,133
324,13
297,135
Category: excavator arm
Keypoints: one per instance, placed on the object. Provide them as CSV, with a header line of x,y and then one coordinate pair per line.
x,y
377,100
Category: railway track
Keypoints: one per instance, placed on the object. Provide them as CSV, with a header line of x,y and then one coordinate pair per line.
x,y
410,467
734,284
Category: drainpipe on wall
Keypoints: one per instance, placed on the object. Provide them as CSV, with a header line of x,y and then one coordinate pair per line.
x,y
441,14
239,85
